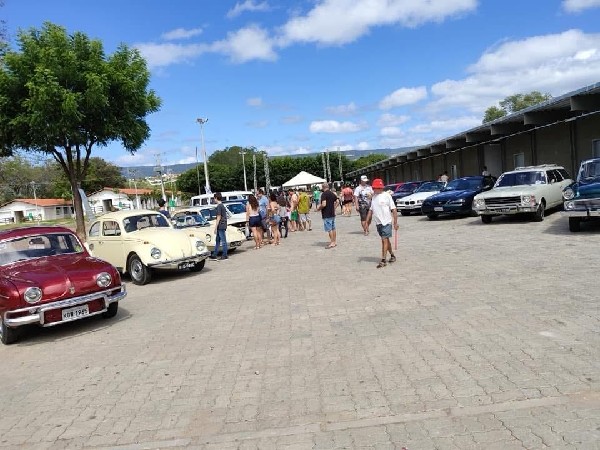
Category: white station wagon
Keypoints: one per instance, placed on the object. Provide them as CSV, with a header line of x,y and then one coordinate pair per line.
x,y
529,190
138,241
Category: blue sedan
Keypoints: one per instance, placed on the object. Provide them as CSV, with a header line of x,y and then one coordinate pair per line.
x,y
457,197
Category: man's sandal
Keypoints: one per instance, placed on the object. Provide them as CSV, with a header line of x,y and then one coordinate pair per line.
x,y
392,259
381,264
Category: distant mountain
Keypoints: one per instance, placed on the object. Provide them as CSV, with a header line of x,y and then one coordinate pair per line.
x,y
148,171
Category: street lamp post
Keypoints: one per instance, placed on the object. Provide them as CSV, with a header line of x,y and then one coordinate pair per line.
x,y
198,171
202,121
244,165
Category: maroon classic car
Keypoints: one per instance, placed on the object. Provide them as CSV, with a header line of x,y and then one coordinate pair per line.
x,y
47,277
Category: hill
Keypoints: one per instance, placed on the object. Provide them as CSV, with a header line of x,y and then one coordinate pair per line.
x,y
148,171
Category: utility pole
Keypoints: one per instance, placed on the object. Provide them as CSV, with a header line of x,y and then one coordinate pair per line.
x,y
202,121
132,173
267,177
37,209
341,173
244,166
198,171
159,169
324,166
255,180
329,180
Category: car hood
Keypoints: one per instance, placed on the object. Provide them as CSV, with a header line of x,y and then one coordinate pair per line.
x,y
171,242
451,195
588,189
59,277
419,196
511,191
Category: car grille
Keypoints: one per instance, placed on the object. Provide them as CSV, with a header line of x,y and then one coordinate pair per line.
x,y
437,202
502,201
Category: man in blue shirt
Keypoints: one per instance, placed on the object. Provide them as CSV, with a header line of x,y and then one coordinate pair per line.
x,y
263,204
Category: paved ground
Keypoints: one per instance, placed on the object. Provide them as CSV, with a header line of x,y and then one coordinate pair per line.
x,y
480,336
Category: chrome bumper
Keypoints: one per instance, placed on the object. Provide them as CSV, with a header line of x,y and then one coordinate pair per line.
x,y
582,213
408,207
174,263
501,210
36,314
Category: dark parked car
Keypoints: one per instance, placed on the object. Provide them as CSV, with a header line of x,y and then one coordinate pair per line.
x,y
582,198
457,197
407,188
47,277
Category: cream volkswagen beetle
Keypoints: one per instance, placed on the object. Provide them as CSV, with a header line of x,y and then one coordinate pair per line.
x,y
190,221
138,241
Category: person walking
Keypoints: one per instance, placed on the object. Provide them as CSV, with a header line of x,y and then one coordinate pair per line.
x,y
347,200
253,220
263,205
328,205
317,196
304,211
293,199
161,208
220,228
383,209
283,213
274,218
362,202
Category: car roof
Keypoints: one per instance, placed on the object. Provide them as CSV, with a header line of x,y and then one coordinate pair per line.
x,y
123,214
36,229
538,167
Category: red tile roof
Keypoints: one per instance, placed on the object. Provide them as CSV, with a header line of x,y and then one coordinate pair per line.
x,y
44,201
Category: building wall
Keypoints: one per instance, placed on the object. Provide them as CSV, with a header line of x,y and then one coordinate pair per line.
x,y
553,145
514,145
470,163
587,130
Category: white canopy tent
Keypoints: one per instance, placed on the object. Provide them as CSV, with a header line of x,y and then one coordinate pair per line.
x,y
303,179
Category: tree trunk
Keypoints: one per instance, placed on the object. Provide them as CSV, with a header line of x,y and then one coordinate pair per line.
x,y
79,217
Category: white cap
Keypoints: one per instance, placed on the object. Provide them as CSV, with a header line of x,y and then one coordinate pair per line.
x,y
364,178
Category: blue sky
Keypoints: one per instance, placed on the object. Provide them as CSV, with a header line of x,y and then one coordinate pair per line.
x,y
292,77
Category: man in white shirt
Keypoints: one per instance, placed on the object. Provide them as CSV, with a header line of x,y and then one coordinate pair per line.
x,y
383,209
362,202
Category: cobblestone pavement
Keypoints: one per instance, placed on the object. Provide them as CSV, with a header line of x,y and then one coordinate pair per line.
x,y
479,336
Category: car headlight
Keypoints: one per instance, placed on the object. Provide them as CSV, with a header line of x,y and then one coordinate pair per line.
x,y
32,295
528,199
479,203
569,205
155,253
419,202
103,279
199,245
568,194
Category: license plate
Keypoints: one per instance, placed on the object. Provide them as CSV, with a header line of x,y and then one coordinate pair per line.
x,y
504,210
438,208
75,313
186,265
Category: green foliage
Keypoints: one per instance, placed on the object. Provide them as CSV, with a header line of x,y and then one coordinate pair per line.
x,y
61,95
365,161
514,103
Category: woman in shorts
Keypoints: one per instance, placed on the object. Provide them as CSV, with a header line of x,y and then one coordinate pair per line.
x,y
274,218
253,220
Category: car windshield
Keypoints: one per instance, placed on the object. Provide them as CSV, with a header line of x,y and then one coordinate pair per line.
x,y
462,184
236,208
38,246
589,170
139,222
390,187
407,187
190,220
521,178
430,186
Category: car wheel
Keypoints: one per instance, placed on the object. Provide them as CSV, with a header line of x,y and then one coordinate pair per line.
x,y
540,213
198,267
8,335
432,216
231,249
486,219
405,212
111,311
574,224
140,274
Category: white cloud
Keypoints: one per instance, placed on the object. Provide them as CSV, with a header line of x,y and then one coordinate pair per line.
x,y
289,120
579,5
279,150
247,44
447,125
181,33
391,120
255,102
342,110
258,124
247,5
554,63
402,97
391,132
160,55
333,126
336,22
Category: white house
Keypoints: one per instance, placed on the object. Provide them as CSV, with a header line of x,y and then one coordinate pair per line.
x,y
22,209
108,199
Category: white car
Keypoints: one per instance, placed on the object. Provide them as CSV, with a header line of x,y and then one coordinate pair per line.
x,y
184,220
530,190
139,241
413,202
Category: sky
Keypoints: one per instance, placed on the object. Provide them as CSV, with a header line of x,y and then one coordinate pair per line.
x,y
305,76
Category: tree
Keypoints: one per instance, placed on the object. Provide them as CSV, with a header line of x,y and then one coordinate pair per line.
x,y
514,103
365,161
61,96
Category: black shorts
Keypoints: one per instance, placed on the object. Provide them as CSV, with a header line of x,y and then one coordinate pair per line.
x,y
254,222
345,202
363,211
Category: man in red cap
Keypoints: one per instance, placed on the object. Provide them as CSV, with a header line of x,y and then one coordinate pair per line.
x,y
383,209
